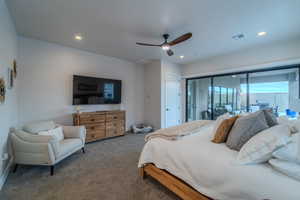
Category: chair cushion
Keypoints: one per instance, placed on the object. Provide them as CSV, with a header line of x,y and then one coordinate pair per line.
x,y
56,132
36,127
68,145
33,138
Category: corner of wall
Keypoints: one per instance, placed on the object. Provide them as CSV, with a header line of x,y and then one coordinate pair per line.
x,y
9,109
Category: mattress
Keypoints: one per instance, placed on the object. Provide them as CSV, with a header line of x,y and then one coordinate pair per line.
x,y
213,171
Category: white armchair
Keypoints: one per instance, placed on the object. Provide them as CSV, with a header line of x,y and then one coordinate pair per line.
x,y
29,148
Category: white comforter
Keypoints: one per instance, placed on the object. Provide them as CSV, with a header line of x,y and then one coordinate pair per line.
x,y
212,169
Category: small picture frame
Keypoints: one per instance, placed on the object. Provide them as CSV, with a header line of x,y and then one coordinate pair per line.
x,y
2,90
15,68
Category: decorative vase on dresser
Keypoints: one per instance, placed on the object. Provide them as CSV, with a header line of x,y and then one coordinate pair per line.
x,y
101,124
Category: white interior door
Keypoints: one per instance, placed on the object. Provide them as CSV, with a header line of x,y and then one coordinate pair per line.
x,y
173,99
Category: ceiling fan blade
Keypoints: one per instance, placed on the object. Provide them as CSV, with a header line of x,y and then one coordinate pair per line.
x,y
170,52
181,39
150,45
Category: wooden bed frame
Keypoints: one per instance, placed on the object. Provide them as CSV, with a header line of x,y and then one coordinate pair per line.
x,y
176,185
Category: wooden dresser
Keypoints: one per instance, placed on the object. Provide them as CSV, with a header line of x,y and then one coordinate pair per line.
x,y
101,124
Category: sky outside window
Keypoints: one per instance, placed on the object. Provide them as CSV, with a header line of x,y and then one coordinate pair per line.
x,y
270,87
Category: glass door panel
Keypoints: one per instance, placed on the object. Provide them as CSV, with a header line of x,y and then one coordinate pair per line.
x,y
229,94
277,90
198,99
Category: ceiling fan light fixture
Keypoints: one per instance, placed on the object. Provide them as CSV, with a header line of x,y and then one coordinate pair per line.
x,y
263,33
165,47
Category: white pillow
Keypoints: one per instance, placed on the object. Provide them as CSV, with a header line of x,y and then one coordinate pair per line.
x,y
294,125
288,168
290,152
219,120
260,147
57,133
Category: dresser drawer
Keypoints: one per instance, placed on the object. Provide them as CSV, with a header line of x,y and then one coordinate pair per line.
x,y
115,116
95,127
114,132
95,135
114,124
92,119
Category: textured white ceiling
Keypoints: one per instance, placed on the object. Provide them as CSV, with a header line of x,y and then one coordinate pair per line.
x,y
111,27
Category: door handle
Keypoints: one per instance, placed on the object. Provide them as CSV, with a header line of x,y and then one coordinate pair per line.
x,y
167,109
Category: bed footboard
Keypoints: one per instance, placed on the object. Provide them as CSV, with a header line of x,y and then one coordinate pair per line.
x,y
176,185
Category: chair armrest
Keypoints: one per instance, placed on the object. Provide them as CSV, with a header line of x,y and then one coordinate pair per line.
x,y
75,132
25,152
36,139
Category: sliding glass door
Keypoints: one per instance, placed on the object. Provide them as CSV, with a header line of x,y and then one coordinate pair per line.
x,y
276,90
199,99
211,96
229,94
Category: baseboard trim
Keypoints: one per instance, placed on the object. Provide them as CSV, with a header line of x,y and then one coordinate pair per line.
x,y
4,176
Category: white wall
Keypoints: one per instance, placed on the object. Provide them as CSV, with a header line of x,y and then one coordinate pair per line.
x,y
46,72
271,55
8,52
152,110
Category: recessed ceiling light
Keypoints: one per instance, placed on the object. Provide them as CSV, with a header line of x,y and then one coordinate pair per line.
x,y
263,33
181,57
78,37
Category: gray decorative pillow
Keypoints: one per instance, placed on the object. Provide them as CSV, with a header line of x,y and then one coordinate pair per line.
x,y
245,128
270,117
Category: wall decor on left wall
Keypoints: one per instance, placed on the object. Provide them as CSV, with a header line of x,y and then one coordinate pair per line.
x,y
10,78
15,68
2,91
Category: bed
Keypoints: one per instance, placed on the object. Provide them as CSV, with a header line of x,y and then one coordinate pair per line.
x,y
195,168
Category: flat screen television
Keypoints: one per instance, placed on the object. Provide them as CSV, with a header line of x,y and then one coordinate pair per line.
x,y
91,90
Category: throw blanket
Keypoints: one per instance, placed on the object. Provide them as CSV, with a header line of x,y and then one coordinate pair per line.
x,y
175,132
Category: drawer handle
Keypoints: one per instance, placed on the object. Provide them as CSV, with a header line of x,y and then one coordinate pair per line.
x,y
92,120
115,117
92,127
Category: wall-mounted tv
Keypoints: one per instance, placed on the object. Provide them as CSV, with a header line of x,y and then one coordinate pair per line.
x,y
91,90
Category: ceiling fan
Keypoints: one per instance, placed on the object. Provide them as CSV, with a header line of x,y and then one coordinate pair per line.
x,y
166,46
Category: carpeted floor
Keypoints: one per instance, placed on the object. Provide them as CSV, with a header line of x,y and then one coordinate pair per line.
x,y
107,171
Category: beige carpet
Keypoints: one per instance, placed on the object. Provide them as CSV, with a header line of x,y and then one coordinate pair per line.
x,y
107,171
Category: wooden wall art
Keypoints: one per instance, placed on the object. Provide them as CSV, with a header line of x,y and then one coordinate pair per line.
x,y
2,90
15,68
